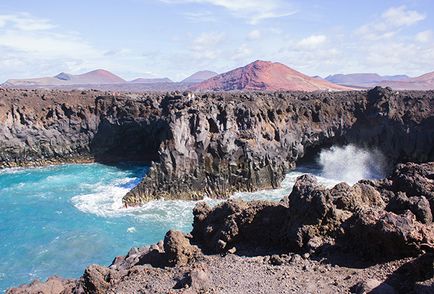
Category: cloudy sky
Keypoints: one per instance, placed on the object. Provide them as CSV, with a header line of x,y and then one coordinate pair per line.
x,y
174,38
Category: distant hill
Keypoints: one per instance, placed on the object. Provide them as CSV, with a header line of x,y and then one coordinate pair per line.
x,y
266,76
151,80
363,79
423,82
199,77
256,76
95,77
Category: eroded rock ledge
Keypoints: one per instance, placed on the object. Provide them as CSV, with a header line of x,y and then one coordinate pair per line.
x,y
374,235
212,144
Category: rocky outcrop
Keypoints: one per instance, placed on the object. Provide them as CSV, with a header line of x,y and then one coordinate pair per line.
x,y
209,144
361,218
236,222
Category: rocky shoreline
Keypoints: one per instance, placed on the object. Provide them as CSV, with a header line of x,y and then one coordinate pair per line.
x,y
209,144
373,236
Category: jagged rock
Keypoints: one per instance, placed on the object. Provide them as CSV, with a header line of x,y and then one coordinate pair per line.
x,y
360,195
379,234
210,144
54,285
150,254
236,223
95,280
419,205
415,179
313,216
178,249
311,212
416,182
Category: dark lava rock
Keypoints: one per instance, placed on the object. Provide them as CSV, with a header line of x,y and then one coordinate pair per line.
x,y
236,223
410,187
379,234
178,249
311,212
312,216
211,144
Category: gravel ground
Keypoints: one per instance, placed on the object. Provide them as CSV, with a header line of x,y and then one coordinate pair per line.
x,y
276,274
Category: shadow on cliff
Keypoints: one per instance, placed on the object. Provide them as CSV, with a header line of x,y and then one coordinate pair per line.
x,y
129,141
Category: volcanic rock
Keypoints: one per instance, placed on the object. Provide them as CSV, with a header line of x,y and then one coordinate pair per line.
x,y
178,249
209,144
383,234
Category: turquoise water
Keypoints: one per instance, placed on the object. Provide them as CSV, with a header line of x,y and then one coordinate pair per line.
x,y
57,220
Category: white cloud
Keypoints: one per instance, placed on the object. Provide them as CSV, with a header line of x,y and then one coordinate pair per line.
x,y
312,41
399,57
199,16
401,16
242,53
253,10
31,46
47,45
24,22
206,45
390,22
424,37
254,35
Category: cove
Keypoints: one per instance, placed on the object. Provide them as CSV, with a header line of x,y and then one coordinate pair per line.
x,y
59,219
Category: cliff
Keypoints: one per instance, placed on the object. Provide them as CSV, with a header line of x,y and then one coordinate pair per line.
x,y
209,144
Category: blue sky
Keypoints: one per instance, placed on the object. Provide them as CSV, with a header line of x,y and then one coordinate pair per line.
x,y
174,38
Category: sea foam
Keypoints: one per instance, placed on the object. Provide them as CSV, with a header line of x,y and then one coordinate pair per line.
x,y
351,164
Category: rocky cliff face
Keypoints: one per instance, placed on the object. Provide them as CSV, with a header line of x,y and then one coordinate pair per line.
x,y
243,142
212,144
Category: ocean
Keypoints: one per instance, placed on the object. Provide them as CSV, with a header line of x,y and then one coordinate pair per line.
x,y
56,220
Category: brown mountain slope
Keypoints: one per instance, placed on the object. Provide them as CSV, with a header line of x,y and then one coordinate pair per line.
x,y
423,82
95,77
266,76
200,76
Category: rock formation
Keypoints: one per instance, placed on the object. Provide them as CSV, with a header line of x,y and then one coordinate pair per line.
x,y
313,215
211,144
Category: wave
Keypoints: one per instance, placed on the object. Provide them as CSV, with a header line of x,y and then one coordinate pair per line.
x,y
351,164
337,164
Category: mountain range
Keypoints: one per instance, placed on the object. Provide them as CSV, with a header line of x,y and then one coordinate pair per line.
x,y
363,79
397,82
256,76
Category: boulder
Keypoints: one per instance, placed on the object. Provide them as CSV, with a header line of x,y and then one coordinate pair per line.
x,y
379,234
178,250
311,212
236,223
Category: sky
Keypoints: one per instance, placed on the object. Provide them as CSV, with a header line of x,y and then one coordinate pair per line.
x,y
175,38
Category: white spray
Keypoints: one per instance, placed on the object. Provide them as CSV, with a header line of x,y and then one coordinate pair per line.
x,y
351,164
